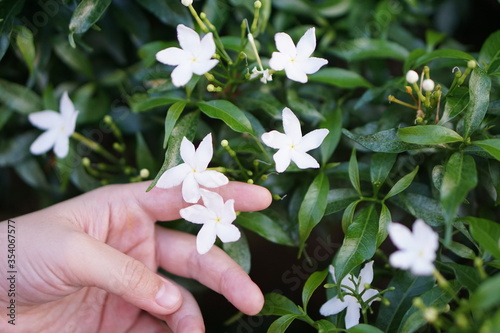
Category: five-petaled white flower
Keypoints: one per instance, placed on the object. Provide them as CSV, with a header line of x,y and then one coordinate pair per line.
x,y
417,250
296,61
216,216
58,128
349,283
266,76
292,145
194,57
193,172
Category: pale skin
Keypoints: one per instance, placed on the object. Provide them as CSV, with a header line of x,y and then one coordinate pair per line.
x,y
89,264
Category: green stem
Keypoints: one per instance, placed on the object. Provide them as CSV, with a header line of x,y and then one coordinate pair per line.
x,y
95,147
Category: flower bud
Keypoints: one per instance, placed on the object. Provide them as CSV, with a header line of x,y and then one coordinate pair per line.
x,y
250,181
210,88
412,76
224,143
144,173
428,85
257,4
471,64
203,15
431,315
86,161
187,3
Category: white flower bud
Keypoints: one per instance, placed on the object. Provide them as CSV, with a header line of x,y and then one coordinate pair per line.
x,y
428,85
187,3
412,76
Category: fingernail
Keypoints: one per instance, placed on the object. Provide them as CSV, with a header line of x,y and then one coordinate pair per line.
x,y
168,296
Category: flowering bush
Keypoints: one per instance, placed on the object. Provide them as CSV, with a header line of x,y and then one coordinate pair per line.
x,y
398,172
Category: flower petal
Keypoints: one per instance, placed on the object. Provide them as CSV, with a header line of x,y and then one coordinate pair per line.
x,y
206,238
196,214
173,176
282,159
400,235
66,106
61,146
190,189
201,67
284,44
332,307
188,39
366,274
291,125
45,119
227,232
401,259
369,293
423,267
352,314
44,142
188,152
203,154
312,65
295,73
423,234
275,139
228,215
279,61
213,201
312,139
211,178
207,47
303,160
181,75
172,56
70,123
307,43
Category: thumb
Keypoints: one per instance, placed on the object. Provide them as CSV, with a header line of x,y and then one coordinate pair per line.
x,y
95,264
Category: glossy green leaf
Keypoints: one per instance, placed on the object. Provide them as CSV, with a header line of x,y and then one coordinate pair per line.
x,y
281,324
467,276
365,48
348,215
229,113
406,287
359,242
173,114
364,328
185,127
492,146
87,14
490,50
340,198
25,44
324,326
354,172
487,294
239,251
32,173
303,107
143,155
461,250
402,184
380,167
265,226
340,77
479,90
428,135
455,104
442,53
168,12
13,150
8,14
19,98
420,206
313,207
73,57
312,283
486,233
383,222
387,141
278,305
333,122
459,178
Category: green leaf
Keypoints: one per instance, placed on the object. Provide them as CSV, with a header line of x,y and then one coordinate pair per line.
x,y
348,214
228,113
402,184
340,77
459,178
479,90
380,167
492,146
486,233
467,276
169,12
340,198
461,250
490,51
139,104
8,14
265,226
442,53
387,141
455,104
278,305
19,98
144,158
312,283
73,57
173,114
24,41
420,206
383,222
262,101
16,148
239,251
354,172
406,287
359,242
487,294
436,297
313,207
281,324
186,127
364,328
365,48
428,135
87,14
333,122
324,326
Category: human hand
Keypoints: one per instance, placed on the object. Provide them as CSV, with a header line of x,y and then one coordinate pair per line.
x,y
89,264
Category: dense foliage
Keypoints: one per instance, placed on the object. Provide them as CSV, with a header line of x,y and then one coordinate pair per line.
x,y
394,152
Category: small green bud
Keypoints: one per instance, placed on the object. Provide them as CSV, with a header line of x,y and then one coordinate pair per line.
x,y
249,172
386,302
224,143
209,76
144,173
257,4
250,181
431,314
264,177
203,15
471,64
86,161
210,88
462,321
417,301
108,119
276,197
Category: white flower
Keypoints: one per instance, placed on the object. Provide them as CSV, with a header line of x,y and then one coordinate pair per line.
x,y
417,250
292,145
349,283
58,128
428,85
187,3
411,76
193,172
266,76
216,217
194,57
296,61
